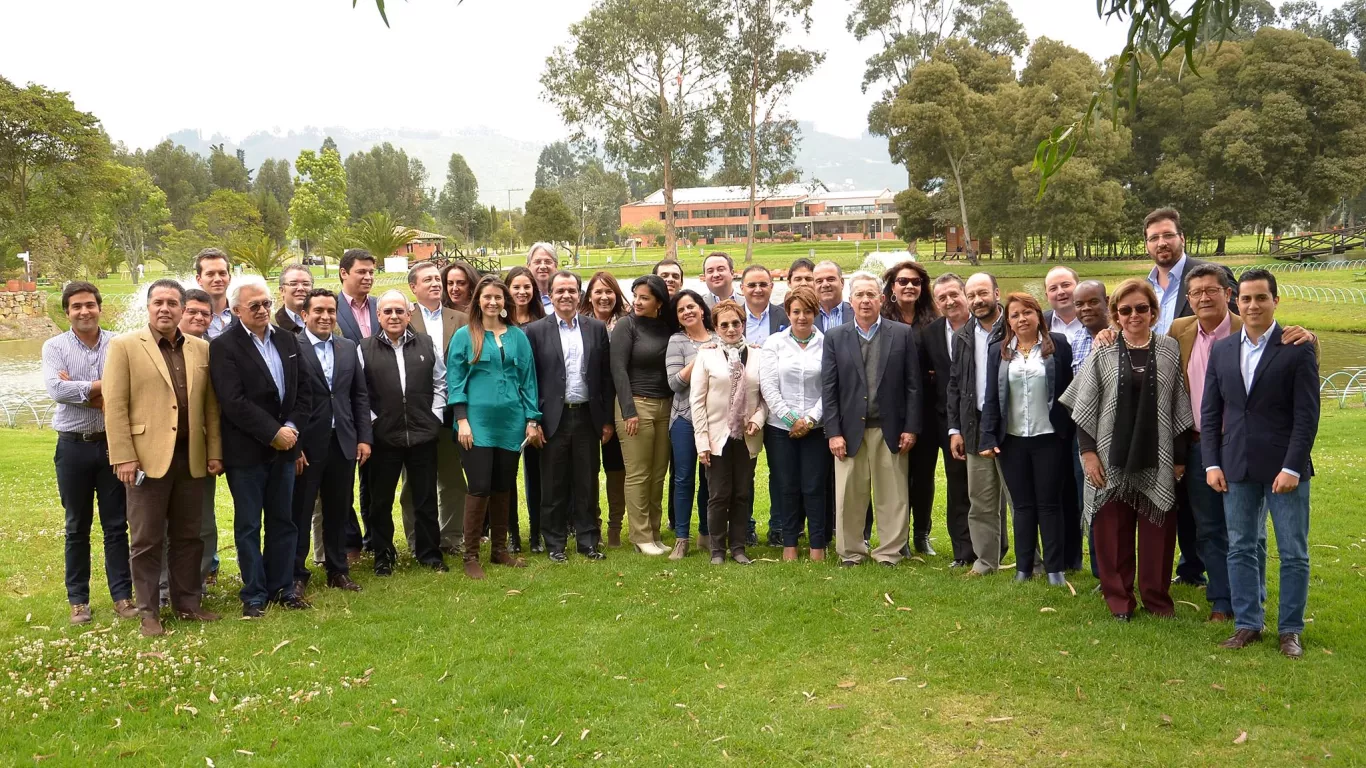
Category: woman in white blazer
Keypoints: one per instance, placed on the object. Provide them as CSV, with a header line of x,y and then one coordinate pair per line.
x,y
728,415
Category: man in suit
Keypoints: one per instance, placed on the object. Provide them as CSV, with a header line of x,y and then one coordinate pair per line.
x,y
162,422
936,354
870,376
1166,244
296,282
1258,420
966,393
829,285
575,387
354,306
334,437
761,320
429,316
263,399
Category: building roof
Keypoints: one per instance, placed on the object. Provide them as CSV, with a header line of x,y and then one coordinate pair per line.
x,y
691,195
853,197
421,234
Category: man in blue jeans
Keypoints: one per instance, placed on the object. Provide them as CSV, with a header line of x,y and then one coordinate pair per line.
x,y
1259,417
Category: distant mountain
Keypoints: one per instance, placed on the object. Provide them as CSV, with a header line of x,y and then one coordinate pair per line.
x,y
501,163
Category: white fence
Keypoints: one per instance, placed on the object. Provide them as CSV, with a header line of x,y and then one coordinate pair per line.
x,y
1323,294
1304,266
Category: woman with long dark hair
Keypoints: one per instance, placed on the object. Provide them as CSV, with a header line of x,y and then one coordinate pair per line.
x,y
526,308
1027,429
908,299
459,278
603,299
491,386
692,326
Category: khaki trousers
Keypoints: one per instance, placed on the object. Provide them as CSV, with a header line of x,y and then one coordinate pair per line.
x,y
987,497
646,455
873,468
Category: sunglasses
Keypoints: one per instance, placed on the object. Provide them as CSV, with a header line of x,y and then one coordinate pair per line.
x,y
905,281
728,324
393,311
1139,309
257,306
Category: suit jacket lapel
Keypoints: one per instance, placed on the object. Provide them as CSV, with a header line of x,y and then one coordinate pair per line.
x,y
149,345
244,340
555,346
1273,347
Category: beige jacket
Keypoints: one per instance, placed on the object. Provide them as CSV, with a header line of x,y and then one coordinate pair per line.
x,y
710,395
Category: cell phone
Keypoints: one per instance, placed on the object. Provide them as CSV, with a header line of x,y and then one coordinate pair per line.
x,y
139,477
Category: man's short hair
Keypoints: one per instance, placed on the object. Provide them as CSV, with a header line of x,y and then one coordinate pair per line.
x,y
549,248
729,261
1209,270
949,277
829,263
989,276
802,263
755,268
390,295
208,254
319,293
1253,275
353,255
200,295
866,276
417,270
290,269
80,286
666,263
1065,268
243,282
1096,283
578,281
1162,214
174,285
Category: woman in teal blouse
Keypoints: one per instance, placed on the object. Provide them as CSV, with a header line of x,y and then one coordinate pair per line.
x,y
491,381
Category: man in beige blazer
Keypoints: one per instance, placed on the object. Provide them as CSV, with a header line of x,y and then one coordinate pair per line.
x,y
430,316
161,417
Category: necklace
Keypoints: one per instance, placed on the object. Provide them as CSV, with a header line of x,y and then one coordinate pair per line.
x,y
1025,349
806,340
1144,345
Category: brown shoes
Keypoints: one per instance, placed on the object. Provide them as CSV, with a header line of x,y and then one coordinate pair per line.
x,y
1290,645
342,581
472,567
1242,638
125,609
198,614
1219,617
80,613
614,537
680,549
151,627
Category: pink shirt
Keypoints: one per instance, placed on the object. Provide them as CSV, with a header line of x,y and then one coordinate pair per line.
x,y
1195,369
361,311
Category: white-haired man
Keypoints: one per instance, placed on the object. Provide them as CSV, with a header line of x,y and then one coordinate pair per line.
x,y
542,262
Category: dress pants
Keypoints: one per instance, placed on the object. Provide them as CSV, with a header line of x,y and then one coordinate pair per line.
x,y
1034,469
687,481
877,469
387,464
327,480
1246,506
958,505
531,487
264,492
1070,502
208,529
164,509
84,474
987,497
1206,506
646,456
730,483
450,496
921,461
1115,524
569,474
1079,481
802,467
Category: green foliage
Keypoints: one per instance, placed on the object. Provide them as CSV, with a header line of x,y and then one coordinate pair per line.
x,y
179,247
659,241
556,164
273,178
458,205
274,219
386,179
625,232
228,171
100,256
261,254
335,242
134,212
381,235
225,214
594,196
548,219
183,175
915,215
651,228
52,256
319,202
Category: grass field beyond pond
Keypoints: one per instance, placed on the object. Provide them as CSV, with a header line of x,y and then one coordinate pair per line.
x,y
639,661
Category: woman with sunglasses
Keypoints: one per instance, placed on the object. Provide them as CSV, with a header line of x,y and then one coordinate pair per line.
x,y
603,299
1133,419
1027,430
526,308
907,298
728,415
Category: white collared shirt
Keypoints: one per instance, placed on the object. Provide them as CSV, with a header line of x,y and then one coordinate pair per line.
x,y
790,379
571,346
1028,398
433,322
1058,325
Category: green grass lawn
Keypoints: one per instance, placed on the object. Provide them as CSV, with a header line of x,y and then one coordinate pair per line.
x,y
638,661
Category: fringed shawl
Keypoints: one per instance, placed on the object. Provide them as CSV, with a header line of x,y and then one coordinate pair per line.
x,y
1094,401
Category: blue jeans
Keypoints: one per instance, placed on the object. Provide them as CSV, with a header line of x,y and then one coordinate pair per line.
x,y
264,490
802,468
1211,532
685,471
1245,510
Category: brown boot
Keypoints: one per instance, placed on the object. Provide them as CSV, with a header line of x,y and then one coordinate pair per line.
x,y
614,537
616,504
475,509
498,531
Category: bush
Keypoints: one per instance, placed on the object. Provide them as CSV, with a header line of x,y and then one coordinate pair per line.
x,y
611,243
783,237
693,238
796,238
659,240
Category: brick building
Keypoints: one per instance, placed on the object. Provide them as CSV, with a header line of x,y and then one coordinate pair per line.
x,y
720,214
423,247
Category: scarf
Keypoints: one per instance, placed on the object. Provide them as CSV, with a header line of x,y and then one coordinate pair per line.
x,y
1134,444
736,356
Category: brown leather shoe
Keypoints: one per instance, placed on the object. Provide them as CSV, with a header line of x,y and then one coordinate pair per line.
x,y
498,511
342,581
80,613
151,627
1218,617
1242,638
680,550
299,587
198,614
1290,645
125,609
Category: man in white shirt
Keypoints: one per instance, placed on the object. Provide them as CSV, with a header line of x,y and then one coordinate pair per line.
x,y
718,271
1062,318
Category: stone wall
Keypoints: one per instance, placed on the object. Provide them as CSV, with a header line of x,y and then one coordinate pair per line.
x,y
23,315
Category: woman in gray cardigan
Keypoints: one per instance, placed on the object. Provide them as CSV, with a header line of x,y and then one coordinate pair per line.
x,y
692,323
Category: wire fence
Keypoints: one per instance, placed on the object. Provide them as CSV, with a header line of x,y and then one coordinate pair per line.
x,y
1324,294
1304,266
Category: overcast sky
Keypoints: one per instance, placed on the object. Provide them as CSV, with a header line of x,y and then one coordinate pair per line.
x,y
151,67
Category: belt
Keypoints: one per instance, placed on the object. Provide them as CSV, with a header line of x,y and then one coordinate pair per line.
x,y
572,406
82,437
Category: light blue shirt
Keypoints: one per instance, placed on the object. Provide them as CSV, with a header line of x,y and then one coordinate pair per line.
x,y
545,302
1168,299
872,329
326,359
571,344
218,323
756,328
271,355
1249,355
1082,342
833,318
434,323
295,316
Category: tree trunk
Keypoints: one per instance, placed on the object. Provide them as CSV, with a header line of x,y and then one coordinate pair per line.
x,y
753,156
968,248
670,243
1219,247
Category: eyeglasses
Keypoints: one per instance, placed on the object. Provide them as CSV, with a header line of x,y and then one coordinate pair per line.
x,y
758,285
1137,309
393,311
299,283
1165,237
905,281
726,325
198,313
1197,293
258,306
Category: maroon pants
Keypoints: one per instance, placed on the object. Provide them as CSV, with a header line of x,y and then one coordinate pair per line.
x,y
1114,526
165,509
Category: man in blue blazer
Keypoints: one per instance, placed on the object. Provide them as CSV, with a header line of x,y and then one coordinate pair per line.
x,y
354,304
1258,420
871,395
335,436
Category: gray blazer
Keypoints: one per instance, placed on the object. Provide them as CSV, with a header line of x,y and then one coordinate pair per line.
x,y
844,394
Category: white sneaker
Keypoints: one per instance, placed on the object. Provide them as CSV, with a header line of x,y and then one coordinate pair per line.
x,y
650,548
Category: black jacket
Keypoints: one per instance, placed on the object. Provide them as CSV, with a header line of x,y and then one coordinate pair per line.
x,y
845,390
251,408
937,366
403,417
961,391
347,402
997,406
548,354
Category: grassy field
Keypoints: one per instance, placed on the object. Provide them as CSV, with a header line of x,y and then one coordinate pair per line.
x,y
637,661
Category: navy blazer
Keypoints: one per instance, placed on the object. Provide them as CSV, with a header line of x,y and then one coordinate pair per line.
x,y
845,390
346,319
548,354
347,402
1059,371
251,408
1251,436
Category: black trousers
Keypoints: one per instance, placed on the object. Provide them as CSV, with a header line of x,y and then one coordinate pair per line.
x,y
920,470
730,503
1190,567
387,463
1033,468
84,474
956,509
332,477
489,470
569,482
1071,512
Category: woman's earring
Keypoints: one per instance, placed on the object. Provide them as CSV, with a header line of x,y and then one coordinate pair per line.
x,y
502,313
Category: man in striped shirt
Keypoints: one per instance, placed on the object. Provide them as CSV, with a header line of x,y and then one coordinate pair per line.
x,y
73,366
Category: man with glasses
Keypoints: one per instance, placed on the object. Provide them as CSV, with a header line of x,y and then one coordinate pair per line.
x,y
542,262
295,284
262,398
195,323
718,271
1166,244
761,320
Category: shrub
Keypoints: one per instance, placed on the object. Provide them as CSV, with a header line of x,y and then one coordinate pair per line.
x,y
659,240
783,237
611,243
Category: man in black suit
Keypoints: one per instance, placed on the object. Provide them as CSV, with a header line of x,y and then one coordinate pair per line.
x,y
295,284
262,400
936,354
335,436
761,320
1258,420
575,389
870,376
354,306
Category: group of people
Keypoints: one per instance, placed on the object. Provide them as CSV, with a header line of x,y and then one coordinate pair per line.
x,y
1179,403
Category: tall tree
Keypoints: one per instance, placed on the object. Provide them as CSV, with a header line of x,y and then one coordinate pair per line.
x,y
134,212
319,201
183,175
644,74
228,171
556,164
763,73
548,219
386,179
274,178
458,206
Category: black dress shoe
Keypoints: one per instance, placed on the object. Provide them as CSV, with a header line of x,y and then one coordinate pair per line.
x,y
1196,582
752,540
1023,575
905,551
252,611
342,581
959,564
922,545
592,553
849,563
384,568
775,538
439,566
886,563
1125,617
558,557
294,603
537,548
